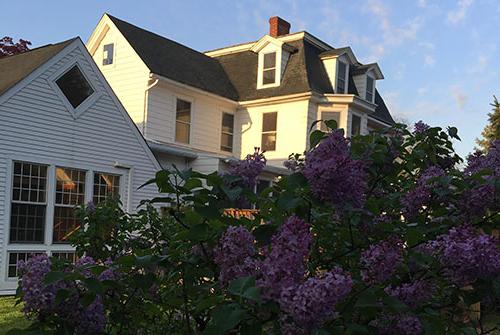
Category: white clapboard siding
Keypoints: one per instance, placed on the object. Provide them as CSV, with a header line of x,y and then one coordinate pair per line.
x,y
36,126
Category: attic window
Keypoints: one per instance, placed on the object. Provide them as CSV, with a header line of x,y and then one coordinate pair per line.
x,y
341,77
370,85
74,86
269,69
107,56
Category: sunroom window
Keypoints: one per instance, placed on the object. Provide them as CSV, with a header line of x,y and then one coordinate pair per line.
x,y
29,203
105,185
74,86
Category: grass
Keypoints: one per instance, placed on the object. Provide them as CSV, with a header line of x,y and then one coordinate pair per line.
x,y
11,315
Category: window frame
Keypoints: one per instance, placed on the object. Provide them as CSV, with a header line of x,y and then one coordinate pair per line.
x,y
275,68
48,246
231,134
372,92
345,79
85,105
104,63
190,123
360,124
275,131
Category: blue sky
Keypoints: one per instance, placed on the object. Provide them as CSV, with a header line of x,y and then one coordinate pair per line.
x,y
439,58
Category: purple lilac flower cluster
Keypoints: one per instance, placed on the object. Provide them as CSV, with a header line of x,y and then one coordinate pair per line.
x,y
334,176
413,294
39,299
380,261
482,195
249,168
415,199
311,303
420,127
284,265
234,254
466,255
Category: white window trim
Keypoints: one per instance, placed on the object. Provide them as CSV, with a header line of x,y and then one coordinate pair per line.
x,y
262,132
346,77
191,123
87,103
47,246
221,131
361,132
260,72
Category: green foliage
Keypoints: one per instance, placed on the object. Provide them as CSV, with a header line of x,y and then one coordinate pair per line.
x,y
491,131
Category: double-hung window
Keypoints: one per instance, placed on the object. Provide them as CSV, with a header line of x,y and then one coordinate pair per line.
x,y
370,86
269,132
355,125
182,121
269,69
105,185
341,77
29,203
227,133
70,192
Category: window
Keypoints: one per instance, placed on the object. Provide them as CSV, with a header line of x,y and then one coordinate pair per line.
x,y
341,77
74,86
325,116
14,258
182,121
226,142
269,121
70,192
69,256
105,185
262,185
370,85
355,125
269,69
107,57
29,196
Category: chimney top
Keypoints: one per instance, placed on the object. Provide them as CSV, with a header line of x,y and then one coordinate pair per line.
x,y
278,26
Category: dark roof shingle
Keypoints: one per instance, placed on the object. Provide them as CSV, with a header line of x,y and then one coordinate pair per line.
x,y
15,68
175,61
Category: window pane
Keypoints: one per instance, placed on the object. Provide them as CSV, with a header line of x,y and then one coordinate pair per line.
x,y
27,223
369,88
269,141
29,182
182,132
269,121
227,123
356,125
74,86
69,256
325,116
262,185
341,77
226,142
65,224
269,76
342,70
105,185
70,186
107,54
15,257
270,60
183,110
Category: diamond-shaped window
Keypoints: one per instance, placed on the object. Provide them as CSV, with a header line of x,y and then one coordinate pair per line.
x,y
75,86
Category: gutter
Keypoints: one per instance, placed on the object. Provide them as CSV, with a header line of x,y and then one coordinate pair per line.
x,y
169,150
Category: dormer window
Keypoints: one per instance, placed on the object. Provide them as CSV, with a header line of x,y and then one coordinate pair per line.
x,y
370,88
107,56
269,69
341,77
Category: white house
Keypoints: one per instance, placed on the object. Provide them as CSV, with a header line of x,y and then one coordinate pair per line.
x,y
200,109
65,140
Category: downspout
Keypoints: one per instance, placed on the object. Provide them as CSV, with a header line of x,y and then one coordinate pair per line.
x,y
145,113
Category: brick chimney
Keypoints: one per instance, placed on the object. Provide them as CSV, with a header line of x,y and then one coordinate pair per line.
x,y
278,26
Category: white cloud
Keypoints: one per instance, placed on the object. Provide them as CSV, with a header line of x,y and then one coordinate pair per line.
x,y
458,14
422,90
429,60
422,3
459,96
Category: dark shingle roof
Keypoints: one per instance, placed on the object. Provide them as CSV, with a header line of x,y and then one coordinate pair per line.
x,y
15,68
382,112
175,61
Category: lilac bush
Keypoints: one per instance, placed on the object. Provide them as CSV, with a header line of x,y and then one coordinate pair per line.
x,y
380,261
